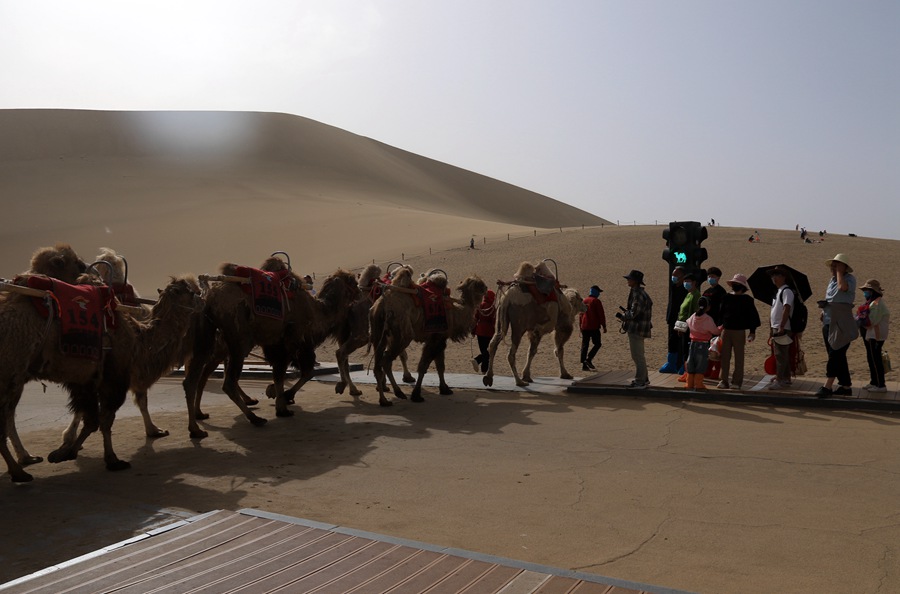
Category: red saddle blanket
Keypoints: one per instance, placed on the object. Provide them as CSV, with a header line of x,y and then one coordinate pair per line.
x,y
267,290
84,312
434,306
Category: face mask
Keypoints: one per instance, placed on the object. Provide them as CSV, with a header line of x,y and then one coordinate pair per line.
x,y
868,294
713,281
688,286
674,279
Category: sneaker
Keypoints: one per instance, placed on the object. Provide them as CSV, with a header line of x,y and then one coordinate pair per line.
x,y
585,367
777,385
636,385
737,386
878,389
843,391
589,364
723,385
475,366
869,387
824,392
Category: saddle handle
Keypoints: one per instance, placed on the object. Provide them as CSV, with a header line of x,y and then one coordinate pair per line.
x,y
287,257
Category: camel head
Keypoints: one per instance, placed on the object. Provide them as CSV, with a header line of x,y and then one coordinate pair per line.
x,y
273,264
339,289
116,262
575,300
60,262
473,290
181,292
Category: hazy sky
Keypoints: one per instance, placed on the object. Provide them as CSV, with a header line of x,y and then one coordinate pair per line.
x,y
759,113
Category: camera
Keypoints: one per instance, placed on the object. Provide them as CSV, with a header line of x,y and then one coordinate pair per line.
x,y
623,314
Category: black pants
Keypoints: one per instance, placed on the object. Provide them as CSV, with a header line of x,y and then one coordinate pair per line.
x,y
678,343
876,363
588,337
483,358
837,365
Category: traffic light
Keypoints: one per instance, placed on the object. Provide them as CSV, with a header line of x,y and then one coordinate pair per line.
x,y
683,248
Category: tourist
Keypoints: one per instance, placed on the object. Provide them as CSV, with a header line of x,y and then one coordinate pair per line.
x,y
637,318
876,327
739,316
593,321
839,328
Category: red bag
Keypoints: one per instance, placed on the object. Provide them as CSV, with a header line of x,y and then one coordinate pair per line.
x,y
771,365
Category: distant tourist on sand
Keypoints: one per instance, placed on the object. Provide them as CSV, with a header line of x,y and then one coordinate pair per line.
x,y
593,321
637,318
875,327
472,244
839,328
738,316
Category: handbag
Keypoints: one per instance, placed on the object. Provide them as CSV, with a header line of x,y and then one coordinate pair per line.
x,y
886,361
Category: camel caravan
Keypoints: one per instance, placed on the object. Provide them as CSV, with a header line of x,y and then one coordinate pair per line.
x,y
84,327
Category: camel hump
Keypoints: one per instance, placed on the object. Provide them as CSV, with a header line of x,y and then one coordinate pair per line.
x,y
369,274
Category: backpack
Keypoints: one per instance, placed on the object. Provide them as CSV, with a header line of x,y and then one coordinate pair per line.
x,y
799,313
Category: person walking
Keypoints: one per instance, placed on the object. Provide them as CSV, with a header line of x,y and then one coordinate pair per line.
x,y
485,323
702,328
839,328
877,325
739,316
638,316
593,322
780,329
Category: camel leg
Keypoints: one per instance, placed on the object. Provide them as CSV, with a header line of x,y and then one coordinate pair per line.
x,y
389,372
7,418
443,389
378,367
560,352
407,376
515,339
204,345
488,378
277,357
422,369
230,386
305,361
84,401
150,429
111,399
22,455
534,341
343,361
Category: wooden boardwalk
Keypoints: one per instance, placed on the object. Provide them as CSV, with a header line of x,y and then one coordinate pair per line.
x,y
754,390
250,551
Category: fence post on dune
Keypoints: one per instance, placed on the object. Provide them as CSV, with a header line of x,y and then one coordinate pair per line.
x,y
535,232
402,256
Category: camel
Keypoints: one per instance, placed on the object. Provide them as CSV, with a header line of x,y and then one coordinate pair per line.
x,y
59,262
519,313
135,355
354,334
230,311
397,319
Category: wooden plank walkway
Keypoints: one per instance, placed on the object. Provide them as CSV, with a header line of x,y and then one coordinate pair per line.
x,y
252,551
754,390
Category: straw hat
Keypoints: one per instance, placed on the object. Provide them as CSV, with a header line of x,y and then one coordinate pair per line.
x,y
842,258
873,285
739,279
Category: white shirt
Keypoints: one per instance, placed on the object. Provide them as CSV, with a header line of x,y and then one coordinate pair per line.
x,y
783,297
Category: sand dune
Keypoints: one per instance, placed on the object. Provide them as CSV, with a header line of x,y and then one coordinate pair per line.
x,y
182,191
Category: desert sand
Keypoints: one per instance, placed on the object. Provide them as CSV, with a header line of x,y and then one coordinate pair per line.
x,y
709,498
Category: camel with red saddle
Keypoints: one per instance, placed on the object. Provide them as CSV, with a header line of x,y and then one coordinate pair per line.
x,y
81,337
534,304
426,313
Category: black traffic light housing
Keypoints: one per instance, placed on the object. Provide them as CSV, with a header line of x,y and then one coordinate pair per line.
x,y
683,248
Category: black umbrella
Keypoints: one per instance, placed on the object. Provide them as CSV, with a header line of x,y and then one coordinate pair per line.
x,y
764,289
